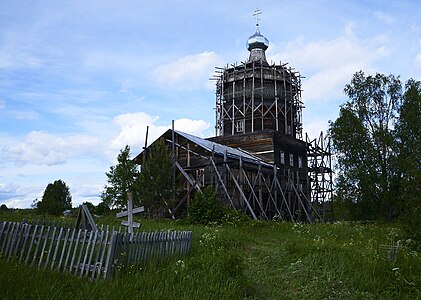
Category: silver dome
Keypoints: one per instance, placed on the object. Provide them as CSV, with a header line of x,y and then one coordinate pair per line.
x,y
257,40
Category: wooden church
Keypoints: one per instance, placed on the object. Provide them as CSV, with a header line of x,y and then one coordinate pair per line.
x,y
258,162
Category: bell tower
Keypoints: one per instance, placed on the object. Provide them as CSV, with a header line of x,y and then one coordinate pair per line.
x,y
256,96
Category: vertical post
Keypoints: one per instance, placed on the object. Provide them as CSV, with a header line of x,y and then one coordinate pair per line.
x,y
130,213
173,160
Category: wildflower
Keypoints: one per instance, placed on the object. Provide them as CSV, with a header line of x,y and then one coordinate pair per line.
x,y
395,269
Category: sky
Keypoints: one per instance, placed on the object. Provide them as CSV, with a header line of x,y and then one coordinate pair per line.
x,y
79,80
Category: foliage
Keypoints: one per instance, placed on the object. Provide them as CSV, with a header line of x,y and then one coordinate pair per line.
x,y
156,179
102,209
409,162
56,199
259,260
205,209
122,178
3,207
363,141
90,206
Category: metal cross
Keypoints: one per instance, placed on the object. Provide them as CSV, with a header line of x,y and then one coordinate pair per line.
x,y
256,14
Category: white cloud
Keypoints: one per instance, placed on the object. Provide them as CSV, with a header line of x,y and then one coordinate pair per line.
x,y
329,65
189,72
384,17
17,59
42,148
418,60
314,128
25,115
133,130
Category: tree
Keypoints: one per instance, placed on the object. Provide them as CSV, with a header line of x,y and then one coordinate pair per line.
x,y
56,198
156,179
122,178
102,208
409,160
363,141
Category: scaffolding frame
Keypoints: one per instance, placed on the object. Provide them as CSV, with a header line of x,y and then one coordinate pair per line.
x,y
319,158
259,96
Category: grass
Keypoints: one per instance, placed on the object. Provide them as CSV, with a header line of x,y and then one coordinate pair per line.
x,y
255,260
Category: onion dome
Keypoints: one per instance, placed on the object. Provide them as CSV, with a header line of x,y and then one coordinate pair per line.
x,y
257,41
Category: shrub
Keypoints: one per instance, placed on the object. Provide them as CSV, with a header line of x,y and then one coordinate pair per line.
x,y
205,209
3,207
102,209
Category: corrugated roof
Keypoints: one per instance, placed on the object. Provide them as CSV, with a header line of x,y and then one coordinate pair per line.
x,y
221,149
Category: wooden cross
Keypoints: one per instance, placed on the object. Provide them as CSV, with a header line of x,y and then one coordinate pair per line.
x,y
129,213
257,14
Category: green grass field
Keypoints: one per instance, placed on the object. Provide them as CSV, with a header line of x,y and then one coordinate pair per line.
x,y
255,260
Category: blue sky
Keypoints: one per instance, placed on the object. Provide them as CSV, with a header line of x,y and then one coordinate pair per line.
x,y
81,79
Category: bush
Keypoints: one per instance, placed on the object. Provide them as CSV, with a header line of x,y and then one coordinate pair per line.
x,y
412,223
205,209
3,207
102,209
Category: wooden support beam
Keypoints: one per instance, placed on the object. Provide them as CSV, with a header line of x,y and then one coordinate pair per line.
x,y
284,198
187,176
222,184
256,198
241,192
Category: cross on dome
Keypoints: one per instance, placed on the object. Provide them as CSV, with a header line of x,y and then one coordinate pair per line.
x,y
257,14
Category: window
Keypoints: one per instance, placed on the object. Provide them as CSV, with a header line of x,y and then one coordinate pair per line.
x,y
300,162
291,160
200,176
239,125
282,157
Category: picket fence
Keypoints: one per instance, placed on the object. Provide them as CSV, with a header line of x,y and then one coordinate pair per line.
x,y
93,254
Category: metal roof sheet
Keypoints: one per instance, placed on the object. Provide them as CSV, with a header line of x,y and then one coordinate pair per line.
x,y
221,149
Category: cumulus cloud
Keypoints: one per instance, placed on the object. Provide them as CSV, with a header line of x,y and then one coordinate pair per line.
x,y
133,129
384,17
42,148
11,58
18,196
329,65
418,60
189,72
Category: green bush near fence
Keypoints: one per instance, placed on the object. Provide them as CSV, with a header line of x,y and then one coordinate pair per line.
x,y
257,260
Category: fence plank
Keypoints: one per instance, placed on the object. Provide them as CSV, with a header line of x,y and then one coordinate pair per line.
x,y
47,260
12,239
26,234
5,234
94,244
76,242
70,250
63,250
111,255
18,242
91,254
32,242
44,245
57,247
103,251
9,239
82,246
38,244
82,268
